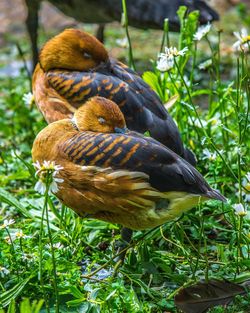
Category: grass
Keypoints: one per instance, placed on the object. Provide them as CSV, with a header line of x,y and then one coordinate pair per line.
x,y
53,261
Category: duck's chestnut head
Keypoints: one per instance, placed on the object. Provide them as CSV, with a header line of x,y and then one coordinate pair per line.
x,y
72,49
99,114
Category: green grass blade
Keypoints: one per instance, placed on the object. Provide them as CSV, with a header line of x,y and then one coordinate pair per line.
x,y
6,197
7,296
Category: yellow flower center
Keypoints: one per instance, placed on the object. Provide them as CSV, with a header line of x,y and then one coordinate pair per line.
x,y
191,142
19,234
246,39
242,213
247,187
214,121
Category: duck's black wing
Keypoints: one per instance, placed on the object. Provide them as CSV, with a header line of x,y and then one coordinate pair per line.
x,y
166,170
151,13
163,128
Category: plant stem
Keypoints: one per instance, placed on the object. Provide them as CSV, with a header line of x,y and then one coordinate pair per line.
x,y
165,37
20,51
125,24
202,128
193,64
40,274
21,248
239,239
48,182
13,251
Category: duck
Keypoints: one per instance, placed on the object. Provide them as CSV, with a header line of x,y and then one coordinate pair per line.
x,y
111,173
142,14
74,66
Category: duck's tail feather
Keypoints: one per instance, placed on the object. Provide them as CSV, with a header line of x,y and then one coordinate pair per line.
x,y
215,194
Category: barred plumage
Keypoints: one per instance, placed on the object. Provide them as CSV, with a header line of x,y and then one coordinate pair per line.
x,y
117,175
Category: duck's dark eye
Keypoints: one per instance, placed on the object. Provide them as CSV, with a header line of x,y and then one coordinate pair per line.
x,y
87,55
101,120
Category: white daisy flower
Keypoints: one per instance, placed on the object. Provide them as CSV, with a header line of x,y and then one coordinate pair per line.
x,y
19,234
7,223
28,99
174,52
28,257
239,209
196,122
123,42
202,31
40,187
48,167
215,121
206,64
57,245
7,239
3,271
166,60
208,155
243,42
164,64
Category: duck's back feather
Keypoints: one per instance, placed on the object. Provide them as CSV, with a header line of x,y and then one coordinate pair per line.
x,y
140,105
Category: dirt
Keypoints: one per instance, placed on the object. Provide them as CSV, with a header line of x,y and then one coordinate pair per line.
x,y
13,15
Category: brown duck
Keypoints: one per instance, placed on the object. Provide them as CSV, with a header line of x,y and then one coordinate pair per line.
x,y
117,175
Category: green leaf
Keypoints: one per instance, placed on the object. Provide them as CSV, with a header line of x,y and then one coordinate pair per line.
x,y
152,79
143,286
36,306
25,306
19,175
7,296
85,307
145,254
243,277
201,92
181,13
76,292
75,302
12,307
111,295
27,164
6,197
